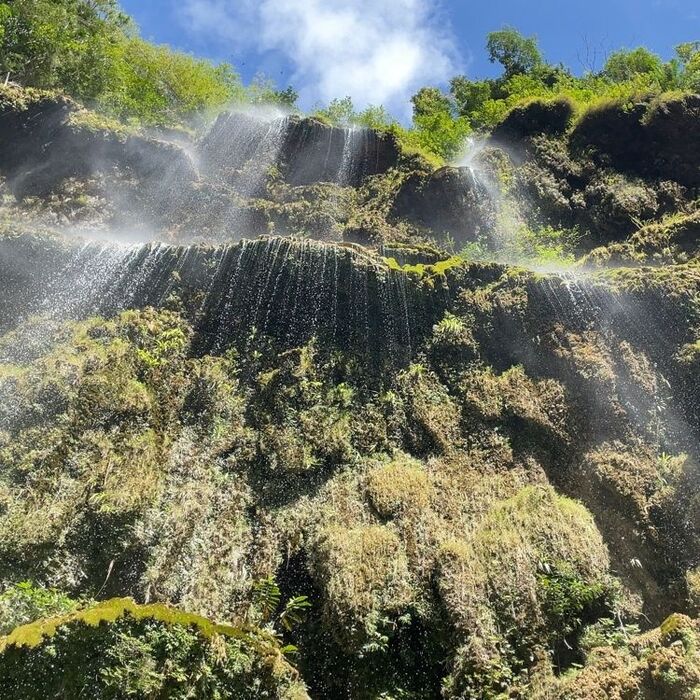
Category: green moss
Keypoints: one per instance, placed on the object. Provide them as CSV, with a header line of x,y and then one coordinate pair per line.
x,y
398,488
538,559
427,272
120,647
365,580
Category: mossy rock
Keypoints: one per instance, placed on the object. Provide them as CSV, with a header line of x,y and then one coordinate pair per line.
x,y
551,117
400,487
660,664
673,128
364,576
535,565
118,649
615,133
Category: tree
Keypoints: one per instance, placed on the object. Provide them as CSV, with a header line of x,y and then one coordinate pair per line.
x,y
60,43
90,50
287,97
624,65
263,90
374,117
515,52
437,128
429,101
441,133
339,112
689,59
470,95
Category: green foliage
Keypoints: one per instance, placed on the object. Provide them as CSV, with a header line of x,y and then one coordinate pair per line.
x,y
470,95
485,103
689,72
374,117
155,85
264,91
25,603
607,632
515,52
121,649
544,245
294,612
440,133
428,101
63,44
266,597
624,65
341,112
429,273
566,597
91,51
436,128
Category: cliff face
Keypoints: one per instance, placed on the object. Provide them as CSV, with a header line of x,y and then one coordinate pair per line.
x,y
305,150
605,175
482,478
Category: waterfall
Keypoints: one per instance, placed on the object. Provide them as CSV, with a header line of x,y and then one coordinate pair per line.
x,y
352,155
290,290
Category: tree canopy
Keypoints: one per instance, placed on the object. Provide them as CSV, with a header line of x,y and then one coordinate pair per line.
x,y
515,52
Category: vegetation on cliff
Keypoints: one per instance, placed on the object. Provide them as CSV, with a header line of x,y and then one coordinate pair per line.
x,y
432,433
421,510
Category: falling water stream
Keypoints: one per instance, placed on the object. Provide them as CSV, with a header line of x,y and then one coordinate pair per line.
x,y
291,290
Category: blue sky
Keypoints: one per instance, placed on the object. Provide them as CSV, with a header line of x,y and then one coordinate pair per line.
x,y
380,51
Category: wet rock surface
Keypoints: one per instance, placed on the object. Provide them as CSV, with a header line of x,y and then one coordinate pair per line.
x,y
485,479
306,151
41,146
450,201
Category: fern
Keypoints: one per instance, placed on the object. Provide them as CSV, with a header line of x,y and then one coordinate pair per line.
x,y
294,612
266,597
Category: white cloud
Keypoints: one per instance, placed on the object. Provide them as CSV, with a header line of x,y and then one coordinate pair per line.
x,y
376,51
213,19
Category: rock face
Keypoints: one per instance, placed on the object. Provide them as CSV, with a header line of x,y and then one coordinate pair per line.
x,y
253,174
673,130
450,201
306,151
616,169
42,144
315,152
288,289
659,140
483,509
485,480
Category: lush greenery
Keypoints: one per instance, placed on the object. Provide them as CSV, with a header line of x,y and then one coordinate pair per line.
x,y
120,649
92,51
441,120
413,508
389,462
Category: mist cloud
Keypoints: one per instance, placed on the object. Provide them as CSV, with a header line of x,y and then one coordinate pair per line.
x,y
376,51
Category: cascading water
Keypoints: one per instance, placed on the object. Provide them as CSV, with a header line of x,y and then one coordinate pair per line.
x,y
290,290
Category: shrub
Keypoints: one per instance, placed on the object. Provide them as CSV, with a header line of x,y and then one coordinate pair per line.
x,y
399,487
25,603
118,649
